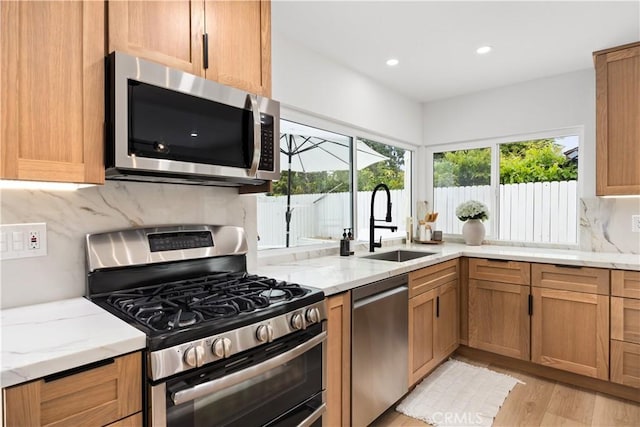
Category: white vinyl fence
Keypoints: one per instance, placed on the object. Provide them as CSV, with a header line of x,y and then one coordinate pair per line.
x,y
544,212
323,216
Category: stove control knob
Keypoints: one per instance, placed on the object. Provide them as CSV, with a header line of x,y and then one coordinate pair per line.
x,y
221,347
313,315
194,356
296,321
264,333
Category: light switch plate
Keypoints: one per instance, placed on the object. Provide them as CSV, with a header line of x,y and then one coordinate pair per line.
x,y
23,240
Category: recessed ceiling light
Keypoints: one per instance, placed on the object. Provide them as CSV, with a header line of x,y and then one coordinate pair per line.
x,y
483,49
392,62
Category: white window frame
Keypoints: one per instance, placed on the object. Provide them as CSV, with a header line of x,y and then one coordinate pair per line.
x,y
493,144
308,119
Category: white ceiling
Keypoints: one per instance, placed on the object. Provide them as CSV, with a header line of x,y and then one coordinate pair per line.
x,y
436,41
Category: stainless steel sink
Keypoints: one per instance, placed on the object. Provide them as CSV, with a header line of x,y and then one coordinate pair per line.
x,y
399,255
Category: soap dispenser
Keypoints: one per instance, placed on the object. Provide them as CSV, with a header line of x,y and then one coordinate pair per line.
x,y
344,244
350,239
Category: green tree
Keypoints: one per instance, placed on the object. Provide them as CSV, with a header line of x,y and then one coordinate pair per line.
x,y
390,172
535,161
525,161
462,168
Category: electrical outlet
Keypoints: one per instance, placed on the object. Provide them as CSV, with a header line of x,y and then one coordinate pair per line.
x,y
34,240
635,223
23,240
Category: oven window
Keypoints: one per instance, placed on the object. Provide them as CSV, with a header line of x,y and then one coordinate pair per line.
x,y
165,124
282,396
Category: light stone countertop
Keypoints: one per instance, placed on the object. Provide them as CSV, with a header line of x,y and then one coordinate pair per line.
x,y
334,274
43,339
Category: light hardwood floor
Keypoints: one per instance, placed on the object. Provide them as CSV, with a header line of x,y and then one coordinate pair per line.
x,y
541,402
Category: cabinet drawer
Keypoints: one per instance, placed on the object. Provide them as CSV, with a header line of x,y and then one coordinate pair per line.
x,y
625,283
625,363
92,397
431,277
625,319
576,279
500,271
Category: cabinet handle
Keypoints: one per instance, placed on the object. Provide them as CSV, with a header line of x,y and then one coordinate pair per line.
x,y
79,369
568,266
205,50
438,306
530,305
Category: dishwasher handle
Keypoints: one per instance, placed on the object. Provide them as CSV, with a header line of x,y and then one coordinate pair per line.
x,y
377,297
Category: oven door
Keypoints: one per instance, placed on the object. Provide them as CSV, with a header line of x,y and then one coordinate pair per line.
x,y
279,384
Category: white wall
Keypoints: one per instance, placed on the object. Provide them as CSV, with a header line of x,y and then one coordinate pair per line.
x,y
305,80
71,215
562,101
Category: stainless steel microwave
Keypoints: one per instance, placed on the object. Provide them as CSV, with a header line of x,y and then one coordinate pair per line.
x,y
165,125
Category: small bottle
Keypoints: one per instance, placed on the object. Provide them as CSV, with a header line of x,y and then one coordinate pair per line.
x,y
344,244
350,239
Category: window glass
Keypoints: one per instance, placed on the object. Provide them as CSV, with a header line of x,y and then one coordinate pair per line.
x,y
459,176
312,199
538,190
380,163
533,199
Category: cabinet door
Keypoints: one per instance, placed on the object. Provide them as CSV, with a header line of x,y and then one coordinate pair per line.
x,y
625,319
618,120
52,91
239,51
570,331
625,363
166,32
422,348
499,318
98,396
625,283
339,359
447,320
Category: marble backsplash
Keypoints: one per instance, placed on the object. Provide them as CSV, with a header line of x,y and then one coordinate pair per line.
x,y
605,225
71,215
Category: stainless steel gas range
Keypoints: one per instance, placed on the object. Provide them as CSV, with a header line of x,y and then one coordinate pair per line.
x,y
224,347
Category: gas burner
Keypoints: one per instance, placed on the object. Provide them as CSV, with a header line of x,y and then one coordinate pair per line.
x,y
274,294
183,318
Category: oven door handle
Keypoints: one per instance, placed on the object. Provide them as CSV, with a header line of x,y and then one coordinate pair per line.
x,y
307,422
230,380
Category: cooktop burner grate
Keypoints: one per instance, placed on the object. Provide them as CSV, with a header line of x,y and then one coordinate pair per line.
x,y
179,304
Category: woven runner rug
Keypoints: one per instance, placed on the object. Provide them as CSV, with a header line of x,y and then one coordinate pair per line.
x,y
458,394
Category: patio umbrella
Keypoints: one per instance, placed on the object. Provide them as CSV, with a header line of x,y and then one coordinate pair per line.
x,y
307,149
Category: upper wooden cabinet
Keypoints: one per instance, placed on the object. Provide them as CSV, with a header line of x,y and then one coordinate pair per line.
x,y
618,120
167,32
52,91
225,41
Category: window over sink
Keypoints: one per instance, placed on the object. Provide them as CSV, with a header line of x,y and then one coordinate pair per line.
x,y
328,172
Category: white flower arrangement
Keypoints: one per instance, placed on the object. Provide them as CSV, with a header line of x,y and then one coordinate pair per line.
x,y
472,209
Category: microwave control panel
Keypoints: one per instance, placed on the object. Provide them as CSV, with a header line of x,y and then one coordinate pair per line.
x,y
268,147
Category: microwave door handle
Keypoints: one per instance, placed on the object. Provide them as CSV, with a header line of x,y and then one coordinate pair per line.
x,y
257,135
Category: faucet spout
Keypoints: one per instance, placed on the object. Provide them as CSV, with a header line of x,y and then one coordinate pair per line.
x,y
372,226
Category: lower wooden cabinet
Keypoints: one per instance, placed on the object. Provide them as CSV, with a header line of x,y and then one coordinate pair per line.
x,y
134,420
625,363
339,360
570,331
499,318
433,329
97,396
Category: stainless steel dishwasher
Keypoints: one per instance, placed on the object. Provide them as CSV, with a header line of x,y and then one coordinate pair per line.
x,y
379,339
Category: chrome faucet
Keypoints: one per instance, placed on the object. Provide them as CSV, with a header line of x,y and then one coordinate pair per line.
x,y
372,220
